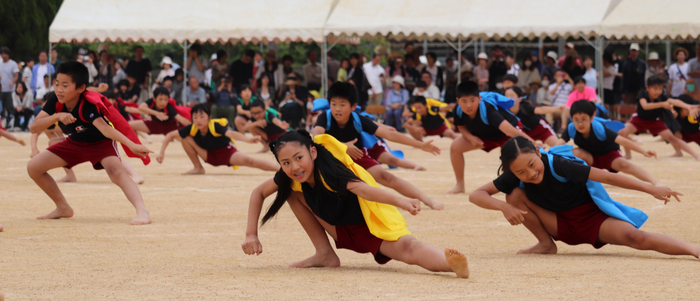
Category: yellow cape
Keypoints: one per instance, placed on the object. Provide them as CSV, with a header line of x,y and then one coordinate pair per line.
x,y
384,221
434,103
223,122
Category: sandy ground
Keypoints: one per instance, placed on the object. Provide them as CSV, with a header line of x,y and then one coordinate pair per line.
x,y
192,250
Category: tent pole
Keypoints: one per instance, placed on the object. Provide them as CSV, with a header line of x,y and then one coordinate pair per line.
x,y
646,50
668,52
425,46
324,67
54,67
540,46
185,80
560,44
459,59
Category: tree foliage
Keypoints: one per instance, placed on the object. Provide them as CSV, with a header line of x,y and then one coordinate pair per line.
x,y
24,26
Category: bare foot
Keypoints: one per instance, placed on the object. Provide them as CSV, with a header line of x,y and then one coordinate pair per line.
x,y
58,213
459,188
677,154
329,260
195,171
142,218
433,204
69,178
21,142
418,167
138,180
458,262
628,156
540,248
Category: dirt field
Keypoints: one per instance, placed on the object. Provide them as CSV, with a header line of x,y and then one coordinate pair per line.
x,y
192,250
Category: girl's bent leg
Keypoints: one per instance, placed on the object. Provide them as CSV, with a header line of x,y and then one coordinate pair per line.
x,y
117,173
193,150
389,159
138,179
412,251
242,159
37,169
622,165
615,231
541,223
316,230
457,149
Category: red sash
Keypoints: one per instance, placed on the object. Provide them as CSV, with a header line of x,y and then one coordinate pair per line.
x,y
130,104
183,111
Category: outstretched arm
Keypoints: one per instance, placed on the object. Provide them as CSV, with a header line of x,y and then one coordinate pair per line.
x,y
115,135
235,135
182,120
376,194
403,139
252,245
43,120
660,192
511,131
629,144
168,138
547,109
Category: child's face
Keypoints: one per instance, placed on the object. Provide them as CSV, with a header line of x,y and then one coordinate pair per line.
x,y
167,84
420,108
580,86
297,161
341,109
528,167
246,94
469,104
511,94
123,88
655,91
258,113
66,89
507,84
162,101
201,120
582,122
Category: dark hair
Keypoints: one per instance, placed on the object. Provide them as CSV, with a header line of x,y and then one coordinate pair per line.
x,y
510,77
123,82
343,90
327,169
24,87
257,103
264,74
201,107
512,149
426,72
28,59
109,95
421,84
197,48
219,54
103,51
518,91
170,78
179,72
244,87
345,60
250,53
579,79
77,72
287,57
160,90
431,54
137,47
407,43
583,106
5,50
528,58
608,57
355,55
467,88
418,99
655,80
309,52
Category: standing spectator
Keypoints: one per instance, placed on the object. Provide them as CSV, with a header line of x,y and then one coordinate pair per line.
x,y
375,78
92,63
292,105
241,70
9,72
678,73
633,72
528,74
177,86
41,93
396,66
408,48
571,66
27,71
196,64
694,65
195,93
431,91
312,72
591,75
133,91
537,92
497,67
356,77
550,68
39,70
119,73
222,66
513,67
655,67
343,70
609,79
396,99
266,91
140,68
617,84
559,93
412,75
257,65
22,100
225,101
106,69
436,72
481,72
535,57
270,67
166,65
209,73
333,66
568,48
54,58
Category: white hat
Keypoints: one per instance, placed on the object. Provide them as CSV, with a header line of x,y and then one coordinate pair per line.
x,y
634,46
552,55
213,57
482,56
570,45
166,60
398,79
653,56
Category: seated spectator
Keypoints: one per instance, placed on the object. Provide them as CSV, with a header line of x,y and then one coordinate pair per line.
x,y
527,74
41,92
22,100
266,91
133,91
168,84
581,92
167,69
537,93
511,65
243,113
559,94
481,72
196,64
195,93
431,91
436,72
178,86
119,73
591,75
395,101
222,66
292,105
343,70
225,101
551,64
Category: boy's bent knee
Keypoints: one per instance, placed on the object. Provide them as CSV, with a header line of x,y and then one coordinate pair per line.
x,y
636,238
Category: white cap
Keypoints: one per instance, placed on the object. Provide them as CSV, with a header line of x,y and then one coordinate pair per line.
x,y
482,56
213,57
552,55
166,60
653,56
398,79
634,46
570,45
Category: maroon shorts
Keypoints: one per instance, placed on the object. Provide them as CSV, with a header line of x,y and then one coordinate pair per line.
x,y
74,152
653,126
162,128
691,137
273,137
221,156
489,145
436,132
358,238
541,132
377,150
581,225
366,162
605,161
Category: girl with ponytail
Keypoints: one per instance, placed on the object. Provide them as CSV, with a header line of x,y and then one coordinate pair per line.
x,y
329,193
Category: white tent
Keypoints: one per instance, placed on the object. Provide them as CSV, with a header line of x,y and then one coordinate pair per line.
x,y
649,19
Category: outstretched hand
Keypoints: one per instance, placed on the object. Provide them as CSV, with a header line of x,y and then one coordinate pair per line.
x,y
664,193
428,146
354,152
140,150
411,205
650,154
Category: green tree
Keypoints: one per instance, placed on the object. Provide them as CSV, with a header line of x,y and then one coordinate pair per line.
x,y
24,26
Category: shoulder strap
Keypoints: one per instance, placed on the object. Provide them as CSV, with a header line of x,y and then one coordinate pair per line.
x,y
356,122
572,131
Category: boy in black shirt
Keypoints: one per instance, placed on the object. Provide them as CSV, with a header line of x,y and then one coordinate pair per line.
x,y
164,115
533,125
90,138
475,133
343,126
265,123
428,119
690,129
599,146
651,104
211,140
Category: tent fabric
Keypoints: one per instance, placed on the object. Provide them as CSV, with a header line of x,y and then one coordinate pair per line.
x,y
211,20
649,19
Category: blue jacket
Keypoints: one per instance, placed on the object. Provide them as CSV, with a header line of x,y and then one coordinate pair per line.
x,y
35,69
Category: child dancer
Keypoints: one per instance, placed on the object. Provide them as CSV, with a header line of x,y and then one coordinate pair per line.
x,y
164,115
555,195
265,123
690,129
9,136
347,126
243,108
599,146
483,125
652,103
428,119
212,141
329,193
81,114
533,125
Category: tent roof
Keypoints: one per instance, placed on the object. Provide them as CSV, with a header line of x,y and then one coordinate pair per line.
x,y
211,20
653,19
